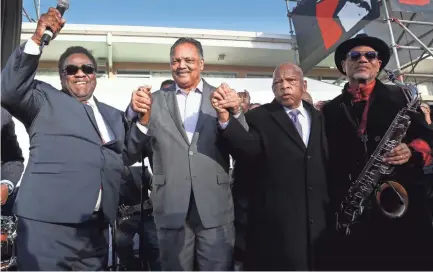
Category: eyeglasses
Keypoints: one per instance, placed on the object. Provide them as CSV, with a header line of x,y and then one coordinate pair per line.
x,y
356,55
71,70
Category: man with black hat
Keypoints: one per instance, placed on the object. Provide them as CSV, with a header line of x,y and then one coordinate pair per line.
x,y
355,122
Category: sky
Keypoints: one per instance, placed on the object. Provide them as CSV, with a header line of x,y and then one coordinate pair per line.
x,y
267,16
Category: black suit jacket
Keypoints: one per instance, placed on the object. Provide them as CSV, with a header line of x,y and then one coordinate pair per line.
x,y
288,197
68,163
413,248
12,160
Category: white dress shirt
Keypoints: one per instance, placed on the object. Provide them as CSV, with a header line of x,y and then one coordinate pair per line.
x,y
189,104
31,48
106,134
305,121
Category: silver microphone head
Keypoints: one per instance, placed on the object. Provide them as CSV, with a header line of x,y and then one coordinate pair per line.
x,y
63,4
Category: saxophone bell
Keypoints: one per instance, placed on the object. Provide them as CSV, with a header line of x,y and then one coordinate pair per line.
x,y
392,199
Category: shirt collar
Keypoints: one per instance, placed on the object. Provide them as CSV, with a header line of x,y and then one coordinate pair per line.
x,y
301,110
199,88
91,101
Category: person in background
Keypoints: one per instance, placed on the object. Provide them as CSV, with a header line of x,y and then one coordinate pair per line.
x,y
356,121
306,96
426,110
254,105
319,105
167,83
12,162
285,149
245,100
129,223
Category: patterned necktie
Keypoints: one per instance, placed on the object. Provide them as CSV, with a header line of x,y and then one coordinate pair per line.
x,y
294,116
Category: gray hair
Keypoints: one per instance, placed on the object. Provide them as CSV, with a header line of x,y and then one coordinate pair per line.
x,y
184,40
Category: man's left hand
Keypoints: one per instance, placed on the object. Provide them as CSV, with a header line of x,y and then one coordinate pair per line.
x,y
231,101
399,155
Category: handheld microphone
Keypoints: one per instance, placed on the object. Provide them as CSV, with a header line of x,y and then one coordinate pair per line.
x,y
62,6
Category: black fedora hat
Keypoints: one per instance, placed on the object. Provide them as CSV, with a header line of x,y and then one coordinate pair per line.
x,y
362,40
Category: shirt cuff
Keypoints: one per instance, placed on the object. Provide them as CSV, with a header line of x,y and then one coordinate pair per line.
x,y
10,185
225,124
31,48
142,128
130,114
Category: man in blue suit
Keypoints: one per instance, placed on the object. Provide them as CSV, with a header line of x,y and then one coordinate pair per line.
x,y
78,148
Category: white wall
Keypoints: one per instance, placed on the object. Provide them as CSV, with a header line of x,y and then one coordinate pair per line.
x,y
117,93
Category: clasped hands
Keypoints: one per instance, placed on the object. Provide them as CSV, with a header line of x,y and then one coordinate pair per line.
x,y
141,103
225,101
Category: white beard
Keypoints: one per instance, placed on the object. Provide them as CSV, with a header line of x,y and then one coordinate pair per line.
x,y
361,76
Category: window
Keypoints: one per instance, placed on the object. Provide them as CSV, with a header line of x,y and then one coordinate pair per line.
x,y
164,74
133,73
252,75
219,74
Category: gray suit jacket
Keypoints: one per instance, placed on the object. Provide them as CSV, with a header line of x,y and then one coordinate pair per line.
x,y
180,167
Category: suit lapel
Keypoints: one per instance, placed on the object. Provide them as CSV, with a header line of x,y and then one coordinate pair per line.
x,y
204,108
315,124
283,120
91,116
173,108
109,117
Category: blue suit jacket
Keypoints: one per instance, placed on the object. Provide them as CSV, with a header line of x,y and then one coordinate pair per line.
x,y
68,163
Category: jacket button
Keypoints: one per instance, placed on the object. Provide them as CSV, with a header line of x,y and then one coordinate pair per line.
x,y
311,220
309,157
310,188
191,153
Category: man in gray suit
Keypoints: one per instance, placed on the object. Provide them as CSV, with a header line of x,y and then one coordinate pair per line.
x,y
191,196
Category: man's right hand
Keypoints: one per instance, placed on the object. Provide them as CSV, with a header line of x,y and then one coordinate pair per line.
x,y
217,96
4,193
52,20
141,103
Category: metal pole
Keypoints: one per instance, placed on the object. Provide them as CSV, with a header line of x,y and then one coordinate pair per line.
x,y
39,8
430,52
412,47
416,22
35,3
292,36
419,75
393,44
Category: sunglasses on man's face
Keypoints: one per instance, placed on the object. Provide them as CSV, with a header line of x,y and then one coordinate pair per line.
x,y
71,70
356,55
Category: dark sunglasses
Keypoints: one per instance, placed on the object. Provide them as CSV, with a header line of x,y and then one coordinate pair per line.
x,y
356,55
71,70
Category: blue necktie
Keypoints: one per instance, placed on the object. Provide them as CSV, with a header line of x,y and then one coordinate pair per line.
x,y
294,116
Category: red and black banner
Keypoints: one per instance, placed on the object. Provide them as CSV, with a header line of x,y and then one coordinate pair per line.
x,y
321,25
412,5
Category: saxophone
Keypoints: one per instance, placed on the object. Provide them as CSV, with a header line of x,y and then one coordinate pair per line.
x,y
390,195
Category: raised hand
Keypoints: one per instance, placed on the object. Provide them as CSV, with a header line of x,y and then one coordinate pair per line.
x,y
141,103
53,20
